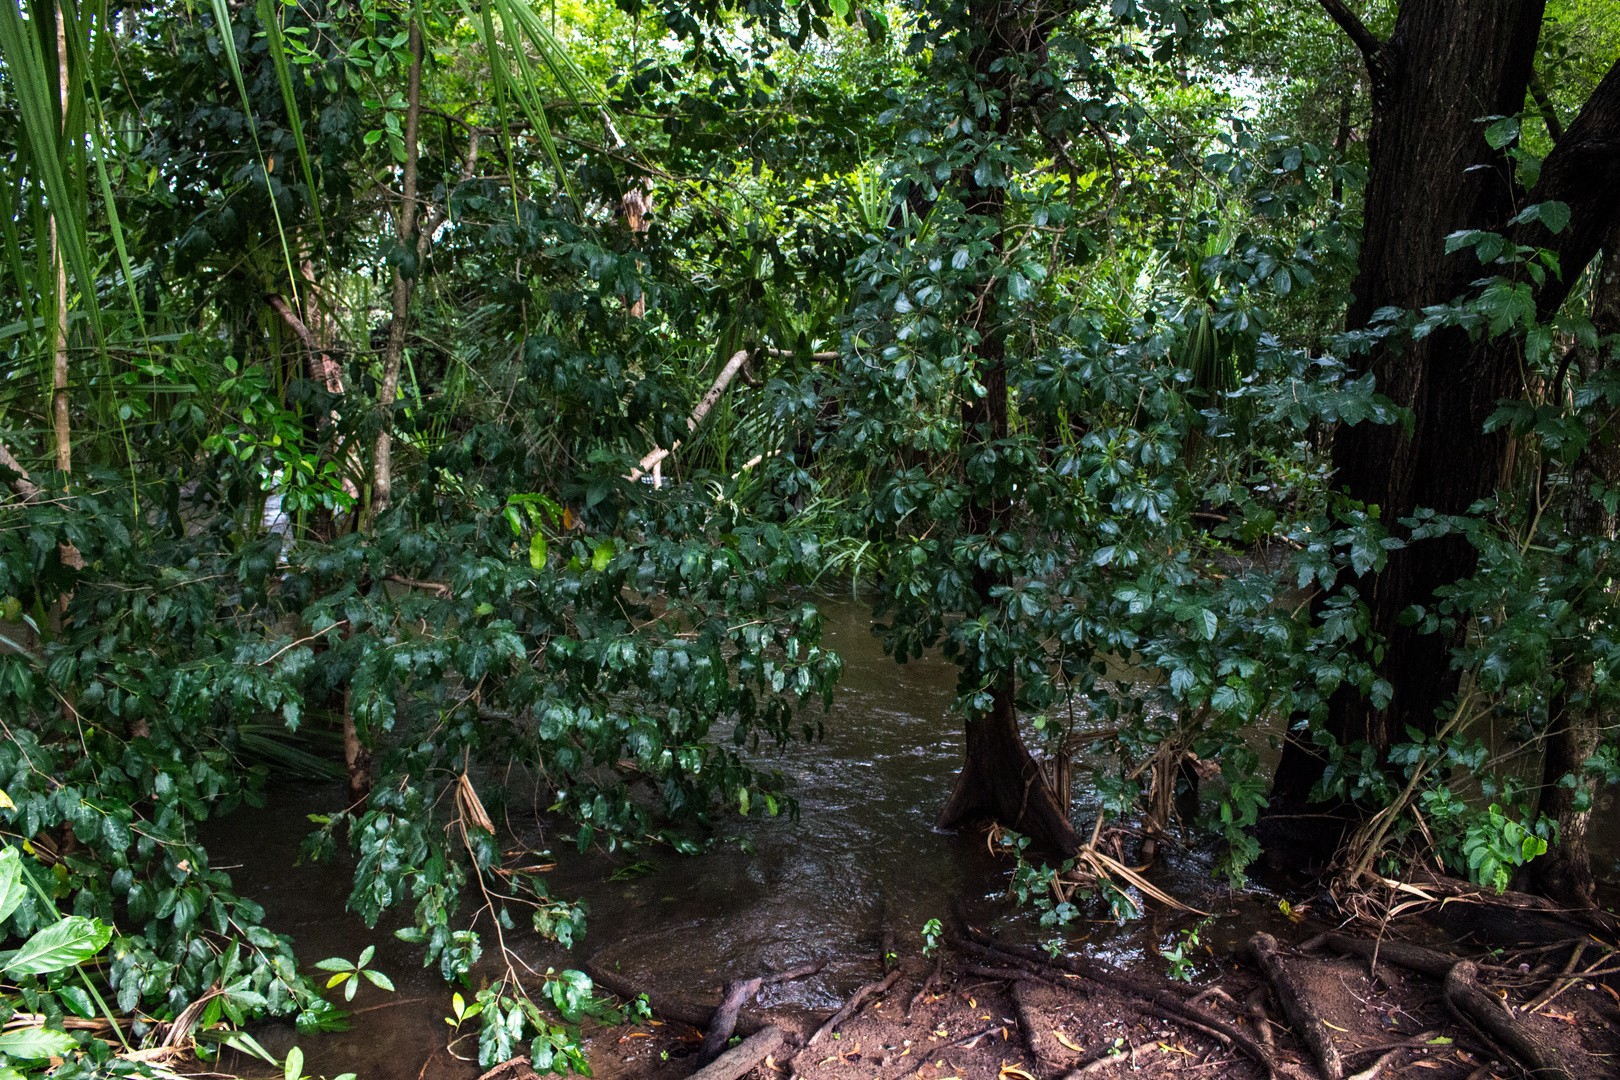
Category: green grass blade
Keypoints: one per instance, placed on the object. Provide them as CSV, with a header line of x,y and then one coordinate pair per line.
x,y
278,54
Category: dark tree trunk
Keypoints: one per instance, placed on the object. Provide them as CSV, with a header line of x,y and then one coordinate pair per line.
x,y
999,778
1002,782
1446,64
1564,874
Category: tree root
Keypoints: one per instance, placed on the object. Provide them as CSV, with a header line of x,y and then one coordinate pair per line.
x,y
851,1005
669,1006
1254,1007
736,994
741,1059
1412,957
1297,1006
1110,1056
1465,995
1029,1023
1162,1002
928,983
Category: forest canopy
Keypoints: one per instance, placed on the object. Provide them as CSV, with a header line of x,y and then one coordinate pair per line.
x,y
464,399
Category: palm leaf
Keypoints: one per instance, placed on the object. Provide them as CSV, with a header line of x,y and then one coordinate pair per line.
x,y
33,84
278,54
227,39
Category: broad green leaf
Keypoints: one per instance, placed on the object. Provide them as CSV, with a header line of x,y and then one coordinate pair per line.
x,y
602,555
537,551
294,1069
378,979
61,945
12,886
36,1042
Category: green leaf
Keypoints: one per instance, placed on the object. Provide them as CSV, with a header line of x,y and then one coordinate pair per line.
x,y
12,887
1502,132
379,980
72,941
602,556
537,551
31,1043
294,1068
366,955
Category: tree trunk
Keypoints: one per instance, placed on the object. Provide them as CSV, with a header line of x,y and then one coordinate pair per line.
x,y
1432,173
999,778
404,285
1001,781
1564,873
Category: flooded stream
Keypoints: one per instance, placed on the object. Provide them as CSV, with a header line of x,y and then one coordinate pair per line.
x,y
820,889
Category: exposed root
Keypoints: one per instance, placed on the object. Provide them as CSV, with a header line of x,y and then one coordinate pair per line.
x,y
1297,1006
1485,1009
851,1005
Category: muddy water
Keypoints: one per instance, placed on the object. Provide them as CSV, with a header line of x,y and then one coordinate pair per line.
x,y
862,854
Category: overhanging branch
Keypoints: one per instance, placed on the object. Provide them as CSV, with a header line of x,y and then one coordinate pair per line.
x,y
1372,50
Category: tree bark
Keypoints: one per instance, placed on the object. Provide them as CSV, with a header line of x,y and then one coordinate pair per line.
x,y
1564,873
999,778
1431,174
382,462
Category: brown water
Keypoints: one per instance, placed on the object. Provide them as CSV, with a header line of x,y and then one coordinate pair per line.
x,y
862,855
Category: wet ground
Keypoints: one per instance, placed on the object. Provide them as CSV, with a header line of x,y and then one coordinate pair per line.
x,y
861,858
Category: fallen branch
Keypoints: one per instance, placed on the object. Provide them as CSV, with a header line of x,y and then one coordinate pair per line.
x,y
741,1059
851,1005
1464,994
736,994
1297,1006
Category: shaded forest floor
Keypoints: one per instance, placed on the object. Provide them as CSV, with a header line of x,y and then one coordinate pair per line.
x,y
976,1026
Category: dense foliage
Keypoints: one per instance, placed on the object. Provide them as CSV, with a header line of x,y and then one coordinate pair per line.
x,y
464,401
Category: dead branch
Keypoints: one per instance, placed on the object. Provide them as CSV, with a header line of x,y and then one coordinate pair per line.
x,y
656,456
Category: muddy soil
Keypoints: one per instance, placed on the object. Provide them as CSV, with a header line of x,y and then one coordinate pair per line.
x,y
968,1027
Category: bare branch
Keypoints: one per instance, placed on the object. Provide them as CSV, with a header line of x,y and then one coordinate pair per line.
x,y
1371,48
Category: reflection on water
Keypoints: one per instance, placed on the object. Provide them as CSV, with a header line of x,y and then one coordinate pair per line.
x,y
862,854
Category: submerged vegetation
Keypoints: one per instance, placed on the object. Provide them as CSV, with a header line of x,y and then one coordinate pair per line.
x,y
464,399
